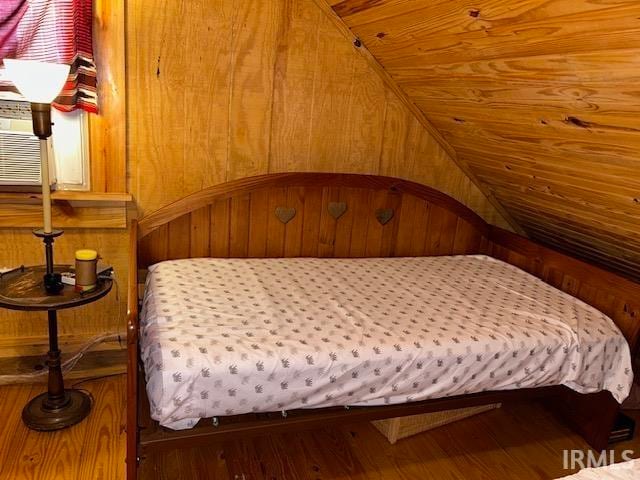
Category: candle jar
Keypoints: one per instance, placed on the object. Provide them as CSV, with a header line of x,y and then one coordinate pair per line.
x,y
86,270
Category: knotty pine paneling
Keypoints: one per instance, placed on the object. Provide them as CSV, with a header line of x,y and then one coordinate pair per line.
x,y
538,98
247,87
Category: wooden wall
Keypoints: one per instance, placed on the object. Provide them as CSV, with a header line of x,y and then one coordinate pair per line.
x,y
246,87
538,98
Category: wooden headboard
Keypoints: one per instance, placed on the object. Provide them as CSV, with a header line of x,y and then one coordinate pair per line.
x,y
334,215
348,215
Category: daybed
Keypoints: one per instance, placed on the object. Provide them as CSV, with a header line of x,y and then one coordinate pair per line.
x,y
291,301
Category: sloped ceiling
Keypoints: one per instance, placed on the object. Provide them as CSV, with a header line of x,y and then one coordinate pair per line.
x,y
539,98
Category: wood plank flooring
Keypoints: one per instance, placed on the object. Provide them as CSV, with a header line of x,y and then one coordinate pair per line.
x,y
91,450
518,441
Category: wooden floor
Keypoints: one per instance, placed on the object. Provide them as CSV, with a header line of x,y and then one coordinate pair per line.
x,y
518,441
91,450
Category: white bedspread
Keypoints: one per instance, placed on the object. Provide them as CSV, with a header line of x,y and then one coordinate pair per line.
x,y
231,336
619,471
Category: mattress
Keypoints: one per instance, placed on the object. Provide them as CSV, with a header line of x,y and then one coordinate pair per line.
x,y
629,470
230,336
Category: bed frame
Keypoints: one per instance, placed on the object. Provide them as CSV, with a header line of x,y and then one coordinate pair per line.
x,y
346,215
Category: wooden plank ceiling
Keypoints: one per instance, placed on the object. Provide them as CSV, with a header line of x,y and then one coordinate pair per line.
x,y
539,98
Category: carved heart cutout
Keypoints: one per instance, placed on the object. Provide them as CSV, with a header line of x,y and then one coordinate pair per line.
x,y
337,209
384,215
285,214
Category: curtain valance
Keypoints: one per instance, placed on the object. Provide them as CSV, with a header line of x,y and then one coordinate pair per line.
x,y
57,31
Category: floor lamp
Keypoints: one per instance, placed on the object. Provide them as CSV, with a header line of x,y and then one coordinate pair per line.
x,y
40,83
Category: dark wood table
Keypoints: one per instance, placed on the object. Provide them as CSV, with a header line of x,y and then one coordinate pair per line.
x,y
23,289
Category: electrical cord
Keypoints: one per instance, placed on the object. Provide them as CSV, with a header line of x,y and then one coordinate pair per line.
x,y
92,379
66,365
71,362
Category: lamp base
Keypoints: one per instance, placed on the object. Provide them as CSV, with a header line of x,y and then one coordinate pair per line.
x,y
52,281
39,415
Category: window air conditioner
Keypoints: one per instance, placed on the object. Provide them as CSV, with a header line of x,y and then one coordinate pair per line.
x,y
20,149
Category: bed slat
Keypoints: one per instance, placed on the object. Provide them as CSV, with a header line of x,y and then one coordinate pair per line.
x,y
293,229
200,232
239,226
220,228
311,221
258,223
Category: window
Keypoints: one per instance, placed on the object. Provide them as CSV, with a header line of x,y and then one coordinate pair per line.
x,y
20,151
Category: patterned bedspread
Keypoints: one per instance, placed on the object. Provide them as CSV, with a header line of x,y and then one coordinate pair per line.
x,y
230,336
629,470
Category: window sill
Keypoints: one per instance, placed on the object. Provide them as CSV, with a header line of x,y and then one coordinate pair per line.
x,y
66,195
70,209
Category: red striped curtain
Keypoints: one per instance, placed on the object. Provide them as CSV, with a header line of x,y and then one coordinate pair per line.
x,y
58,31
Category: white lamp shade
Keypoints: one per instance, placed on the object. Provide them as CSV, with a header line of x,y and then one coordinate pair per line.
x,y
38,82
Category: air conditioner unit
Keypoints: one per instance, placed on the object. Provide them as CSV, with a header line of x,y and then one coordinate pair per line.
x,y
20,149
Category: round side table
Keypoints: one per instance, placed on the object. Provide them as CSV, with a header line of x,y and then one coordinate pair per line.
x,y
23,289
